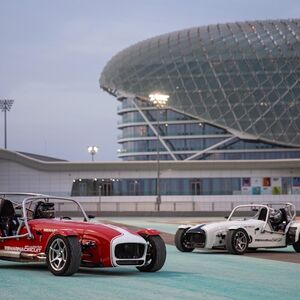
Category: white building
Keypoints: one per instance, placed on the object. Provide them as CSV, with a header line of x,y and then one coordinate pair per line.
x,y
185,185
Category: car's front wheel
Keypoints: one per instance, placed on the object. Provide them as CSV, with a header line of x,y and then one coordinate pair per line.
x,y
156,254
237,241
181,242
63,255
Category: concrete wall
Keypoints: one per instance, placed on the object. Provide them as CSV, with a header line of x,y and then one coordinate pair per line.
x,y
171,203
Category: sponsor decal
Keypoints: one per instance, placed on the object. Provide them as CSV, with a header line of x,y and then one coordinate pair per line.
x,y
34,249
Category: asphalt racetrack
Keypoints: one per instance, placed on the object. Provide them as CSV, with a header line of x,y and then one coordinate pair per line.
x,y
198,275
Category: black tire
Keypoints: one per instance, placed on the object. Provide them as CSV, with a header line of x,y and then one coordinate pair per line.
x,y
237,241
296,245
156,254
180,241
63,255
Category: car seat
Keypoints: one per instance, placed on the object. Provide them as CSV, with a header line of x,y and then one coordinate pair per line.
x,y
8,220
284,220
262,214
44,210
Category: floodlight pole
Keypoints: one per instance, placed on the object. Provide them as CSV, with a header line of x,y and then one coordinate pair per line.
x,y
93,150
159,102
5,105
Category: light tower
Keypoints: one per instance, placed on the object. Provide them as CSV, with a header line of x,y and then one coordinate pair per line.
x,y
93,150
5,105
160,102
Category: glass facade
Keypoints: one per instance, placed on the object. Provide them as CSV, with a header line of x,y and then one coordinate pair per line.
x,y
239,79
185,186
184,136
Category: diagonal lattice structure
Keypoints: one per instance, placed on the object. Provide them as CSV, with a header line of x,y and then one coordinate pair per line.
x,y
243,77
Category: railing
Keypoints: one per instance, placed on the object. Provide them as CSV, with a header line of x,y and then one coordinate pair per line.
x,y
99,207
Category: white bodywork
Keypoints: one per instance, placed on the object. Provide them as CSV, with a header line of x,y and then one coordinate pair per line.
x,y
260,233
125,237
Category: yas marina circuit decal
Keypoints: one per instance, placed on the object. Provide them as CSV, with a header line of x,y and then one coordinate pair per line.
x,y
31,249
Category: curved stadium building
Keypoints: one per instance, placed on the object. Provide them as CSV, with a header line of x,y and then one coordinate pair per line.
x,y
234,93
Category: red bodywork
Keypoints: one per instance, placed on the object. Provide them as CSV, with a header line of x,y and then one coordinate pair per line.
x,y
36,235
95,238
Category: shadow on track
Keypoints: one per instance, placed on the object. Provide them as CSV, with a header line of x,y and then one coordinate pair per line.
x,y
128,272
90,272
23,266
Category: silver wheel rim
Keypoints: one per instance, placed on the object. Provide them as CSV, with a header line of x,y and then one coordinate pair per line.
x,y
58,254
148,254
240,241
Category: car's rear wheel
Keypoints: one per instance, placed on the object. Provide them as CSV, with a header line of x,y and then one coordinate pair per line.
x,y
156,254
63,255
237,241
181,242
296,245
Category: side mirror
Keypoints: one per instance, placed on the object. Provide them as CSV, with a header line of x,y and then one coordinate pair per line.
x,y
91,217
226,217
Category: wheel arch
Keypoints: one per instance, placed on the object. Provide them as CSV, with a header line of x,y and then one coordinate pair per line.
x,y
234,227
148,232
62,232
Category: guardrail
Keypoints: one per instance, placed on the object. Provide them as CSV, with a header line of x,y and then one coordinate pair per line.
x,y
168,207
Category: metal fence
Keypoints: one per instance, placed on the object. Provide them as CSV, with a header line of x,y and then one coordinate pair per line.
x,y
136,207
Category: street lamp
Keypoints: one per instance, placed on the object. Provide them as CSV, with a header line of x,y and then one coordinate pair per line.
x,y
5,105
160,101
93,150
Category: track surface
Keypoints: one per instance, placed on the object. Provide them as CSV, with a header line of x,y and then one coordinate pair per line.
x,y
197,275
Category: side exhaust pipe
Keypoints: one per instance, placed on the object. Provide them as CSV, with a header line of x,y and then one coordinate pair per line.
x,y
41,257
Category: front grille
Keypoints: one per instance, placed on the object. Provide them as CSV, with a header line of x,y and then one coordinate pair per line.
x,y
129,250
196,239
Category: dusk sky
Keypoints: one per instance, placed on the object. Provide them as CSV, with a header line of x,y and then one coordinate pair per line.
x,y
52,54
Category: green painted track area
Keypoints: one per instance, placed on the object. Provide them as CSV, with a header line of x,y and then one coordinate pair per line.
x,y
197,275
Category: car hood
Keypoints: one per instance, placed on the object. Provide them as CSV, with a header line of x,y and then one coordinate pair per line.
x,y
99,230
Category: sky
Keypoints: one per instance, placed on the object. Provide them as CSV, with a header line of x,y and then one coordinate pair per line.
x,y
52,54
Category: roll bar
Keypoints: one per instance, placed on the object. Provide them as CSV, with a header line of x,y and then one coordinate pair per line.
x,y
30,198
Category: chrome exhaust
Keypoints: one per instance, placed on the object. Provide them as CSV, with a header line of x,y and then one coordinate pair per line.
x,y
19,255
10,254
33,256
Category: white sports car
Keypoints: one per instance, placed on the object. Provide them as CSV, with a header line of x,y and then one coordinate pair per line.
x,y
247,227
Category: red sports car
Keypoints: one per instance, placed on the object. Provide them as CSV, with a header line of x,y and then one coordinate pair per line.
x,y
36,234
